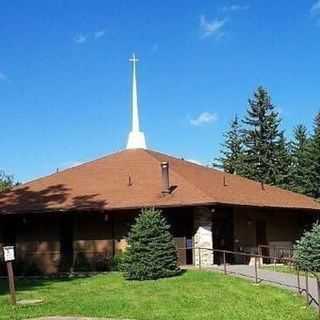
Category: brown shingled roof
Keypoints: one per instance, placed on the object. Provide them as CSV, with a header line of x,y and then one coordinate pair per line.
x,y
104,184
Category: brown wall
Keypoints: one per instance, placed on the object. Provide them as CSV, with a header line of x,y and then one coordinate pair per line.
x,y
37,242
39,246
92,233
100,235
39,239
1,234
122,222
2,269
94,238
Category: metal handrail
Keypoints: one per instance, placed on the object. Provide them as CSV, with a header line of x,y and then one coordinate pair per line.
x,y
309,298
253,255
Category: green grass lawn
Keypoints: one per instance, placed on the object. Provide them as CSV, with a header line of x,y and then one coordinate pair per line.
x,y
193,295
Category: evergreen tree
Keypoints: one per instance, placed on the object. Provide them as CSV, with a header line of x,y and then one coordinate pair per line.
x,y
6,182
307,250
151,252
283,162
300,173
232,154
314,156
262,137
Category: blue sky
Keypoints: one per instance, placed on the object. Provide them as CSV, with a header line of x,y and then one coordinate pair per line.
x,y
65,77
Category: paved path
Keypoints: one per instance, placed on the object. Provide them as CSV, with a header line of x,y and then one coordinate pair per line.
x,y
284,280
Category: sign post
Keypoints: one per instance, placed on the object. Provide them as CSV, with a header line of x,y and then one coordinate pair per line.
x,y
8,253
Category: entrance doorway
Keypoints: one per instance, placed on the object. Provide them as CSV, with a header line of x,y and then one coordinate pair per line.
x,y
181,227
66,243
261,237
222,233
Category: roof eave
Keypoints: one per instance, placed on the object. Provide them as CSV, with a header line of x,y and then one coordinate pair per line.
x,y
160,206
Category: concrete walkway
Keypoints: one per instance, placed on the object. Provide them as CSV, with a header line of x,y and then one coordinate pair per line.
x,y
284,280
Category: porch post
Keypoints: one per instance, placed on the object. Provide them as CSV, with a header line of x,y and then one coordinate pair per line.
x,y
202,236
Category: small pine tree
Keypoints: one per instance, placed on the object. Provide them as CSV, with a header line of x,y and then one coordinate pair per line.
x,y
151,252
307,250
261,138
232,153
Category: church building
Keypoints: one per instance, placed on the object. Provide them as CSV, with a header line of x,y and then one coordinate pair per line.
x,y
77,219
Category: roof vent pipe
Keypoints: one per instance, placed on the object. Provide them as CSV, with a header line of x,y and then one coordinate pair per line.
x,y
165,177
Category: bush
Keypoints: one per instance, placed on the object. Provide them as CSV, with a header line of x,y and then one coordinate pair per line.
x,y
151,252
117,262
307,250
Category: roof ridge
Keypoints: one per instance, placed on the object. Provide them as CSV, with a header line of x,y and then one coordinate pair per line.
x,y
68,169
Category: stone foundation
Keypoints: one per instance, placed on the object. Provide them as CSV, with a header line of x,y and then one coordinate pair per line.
x,y
202,236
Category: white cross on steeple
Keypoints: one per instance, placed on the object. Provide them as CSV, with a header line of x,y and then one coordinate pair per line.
x,y
134,59
136,138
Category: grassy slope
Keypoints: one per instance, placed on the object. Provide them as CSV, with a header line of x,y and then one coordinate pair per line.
x,y
194,295
285,269
280,268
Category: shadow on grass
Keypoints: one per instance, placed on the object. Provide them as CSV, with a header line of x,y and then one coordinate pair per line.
x,y
30,284
34,283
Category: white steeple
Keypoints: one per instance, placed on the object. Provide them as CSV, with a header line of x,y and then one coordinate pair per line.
x,y
136,137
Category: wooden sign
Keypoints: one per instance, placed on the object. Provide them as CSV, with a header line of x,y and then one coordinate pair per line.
x,y
8,253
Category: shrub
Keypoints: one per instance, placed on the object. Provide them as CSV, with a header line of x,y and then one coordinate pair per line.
x,y
307,250
151,252
117,262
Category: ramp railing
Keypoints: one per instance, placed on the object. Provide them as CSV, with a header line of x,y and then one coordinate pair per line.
x,y
280,270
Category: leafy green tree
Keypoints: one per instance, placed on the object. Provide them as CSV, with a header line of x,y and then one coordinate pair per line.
x,y
262,137
314,156
6,182
231,159
151,252
300,173
307,250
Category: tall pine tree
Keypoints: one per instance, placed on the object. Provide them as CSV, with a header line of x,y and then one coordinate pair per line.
x,y
231,159
314,154
300,173
282,163
262,137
